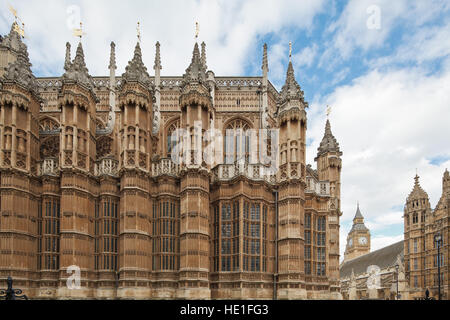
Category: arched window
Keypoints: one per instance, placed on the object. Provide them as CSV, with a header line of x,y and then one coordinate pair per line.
x,y
172,138
237,141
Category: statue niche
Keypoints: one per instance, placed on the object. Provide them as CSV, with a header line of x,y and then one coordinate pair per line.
x,y
50,147
104,147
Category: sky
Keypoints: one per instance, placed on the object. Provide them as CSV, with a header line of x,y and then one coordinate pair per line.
x,y
382,65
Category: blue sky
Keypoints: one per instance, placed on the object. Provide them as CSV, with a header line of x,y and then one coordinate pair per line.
x,y
383,66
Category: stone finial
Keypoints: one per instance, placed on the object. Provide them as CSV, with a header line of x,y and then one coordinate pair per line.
x,y
13,40
157,57
417,192
265,64
204,55
329,142
196,70
77,71
112,57
67,60
291,89
136,70
19,71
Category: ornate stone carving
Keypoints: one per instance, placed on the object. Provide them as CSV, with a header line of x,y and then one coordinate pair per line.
x,y
19,71
108,166
48,126
49,167
104,146
197,69
77,70
136,70
50,147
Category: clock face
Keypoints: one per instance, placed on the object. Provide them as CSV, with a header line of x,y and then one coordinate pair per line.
x,y
363,240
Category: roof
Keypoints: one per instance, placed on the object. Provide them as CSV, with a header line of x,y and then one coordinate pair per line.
x,y
383,258
329,142
358,221
417,192
311,172
358,213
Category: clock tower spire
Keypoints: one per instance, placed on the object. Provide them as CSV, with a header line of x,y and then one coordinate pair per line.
x,y
358,239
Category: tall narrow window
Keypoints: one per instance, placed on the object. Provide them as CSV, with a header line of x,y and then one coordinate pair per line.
x,y
172,138
237,142
110,233
51,233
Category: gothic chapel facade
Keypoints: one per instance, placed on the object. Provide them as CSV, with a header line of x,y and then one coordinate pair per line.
x,y
87,180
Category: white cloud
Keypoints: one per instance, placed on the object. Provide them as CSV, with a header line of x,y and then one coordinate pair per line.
x,y
379,222
379,242
427,44
306,57
357,28
388,124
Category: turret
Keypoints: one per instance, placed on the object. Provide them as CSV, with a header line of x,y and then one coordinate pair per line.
x,y
19,103
292,174
196,107
157,106
292,123
265,81
358,239
19,153
446,183
135,100
78,104
136,103
10,47
329,161
417,206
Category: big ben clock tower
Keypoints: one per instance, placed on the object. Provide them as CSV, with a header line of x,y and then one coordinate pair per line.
x,y
358,239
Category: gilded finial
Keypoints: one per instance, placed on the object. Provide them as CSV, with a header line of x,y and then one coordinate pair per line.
x,y
79,32
328,111
138,30
13,11
197,30
17,28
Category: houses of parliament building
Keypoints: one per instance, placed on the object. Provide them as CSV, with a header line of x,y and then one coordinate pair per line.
x,y
88,180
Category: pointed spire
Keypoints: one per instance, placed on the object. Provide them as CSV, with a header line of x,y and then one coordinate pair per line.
x,y
112,57
156,106
196,70
329,142
136,70
204,55
291,89
416,180
417,192
157,57
358,213
77,71
358,221
265,63
67,62
446,183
